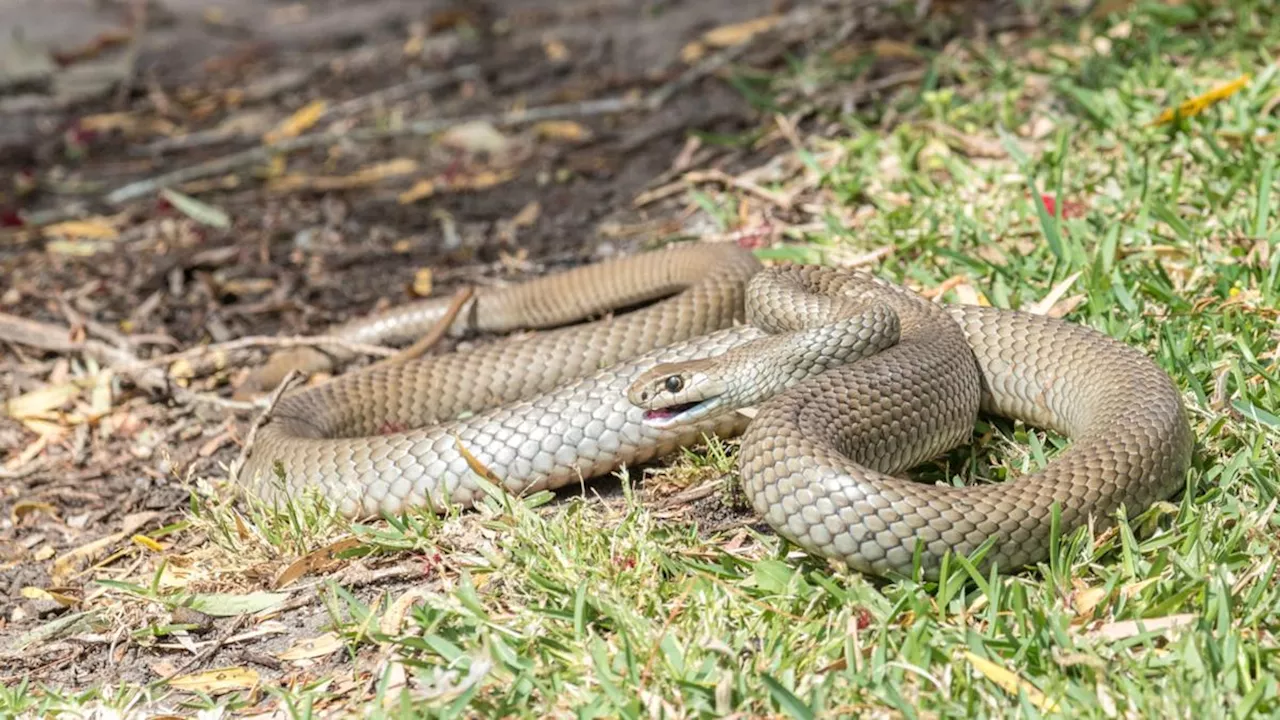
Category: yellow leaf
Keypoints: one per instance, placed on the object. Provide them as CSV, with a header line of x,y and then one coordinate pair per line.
x,y
482,180
38,402
894,49
23,508
474,463
315,647
692,53
736,34
147,542
1199,104
528,214
297,123
562,130
422,282
556,51
92,229
74,248
1010,682
35,593
45,429
217,681
420,190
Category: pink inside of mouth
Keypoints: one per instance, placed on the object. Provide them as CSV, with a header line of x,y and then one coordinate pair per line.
x,y
667,413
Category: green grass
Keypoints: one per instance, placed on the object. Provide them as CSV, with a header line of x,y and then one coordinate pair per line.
x,y
596,610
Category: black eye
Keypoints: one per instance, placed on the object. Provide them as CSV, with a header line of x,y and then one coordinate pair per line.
x,y
674,383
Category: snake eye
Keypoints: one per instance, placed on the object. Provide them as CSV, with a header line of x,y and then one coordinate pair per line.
x,y
674,383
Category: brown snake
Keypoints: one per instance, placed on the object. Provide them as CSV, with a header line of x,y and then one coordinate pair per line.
x,y
854,380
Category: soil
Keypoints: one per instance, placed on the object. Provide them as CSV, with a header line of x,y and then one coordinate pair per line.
x,y
294,261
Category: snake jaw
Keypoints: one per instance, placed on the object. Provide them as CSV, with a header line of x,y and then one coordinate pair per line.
x,y
681,413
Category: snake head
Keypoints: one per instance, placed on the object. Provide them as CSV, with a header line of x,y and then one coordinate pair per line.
x,y
676,393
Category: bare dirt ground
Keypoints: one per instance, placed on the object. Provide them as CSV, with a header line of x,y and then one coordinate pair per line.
x,y
320,234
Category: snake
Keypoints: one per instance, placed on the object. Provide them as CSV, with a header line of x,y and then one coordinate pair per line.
x,y
836,383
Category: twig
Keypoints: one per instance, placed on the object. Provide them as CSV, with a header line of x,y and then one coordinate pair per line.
x,y
426,83
252,341
264,153
708,65
55,338
437,331
144,373
261,420
217,644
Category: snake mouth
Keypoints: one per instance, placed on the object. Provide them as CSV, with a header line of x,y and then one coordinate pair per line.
x,y
676,414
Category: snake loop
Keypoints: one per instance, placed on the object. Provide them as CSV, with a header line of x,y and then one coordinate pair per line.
x,y
855,380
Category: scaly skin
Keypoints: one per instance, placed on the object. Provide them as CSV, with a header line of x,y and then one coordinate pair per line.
x,y
881,380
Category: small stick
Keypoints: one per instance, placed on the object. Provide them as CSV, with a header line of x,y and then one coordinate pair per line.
x,y
252,341
264,153
261,420
437,331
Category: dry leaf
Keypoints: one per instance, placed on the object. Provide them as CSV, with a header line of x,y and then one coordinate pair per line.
x,y
480,181
1046,303
297,123
393,619
1061,309
1200,103
476,136
91,229
528,214
1129,628
30,453
422,282
556,51
76,248
562,130
474,463
1087,600
315,647
38,402
738,33
363,177
147,543
44,429
1129,591
894,49
692,53
35,593
217,681
421,190
23,508
1010,682
314,561
70,562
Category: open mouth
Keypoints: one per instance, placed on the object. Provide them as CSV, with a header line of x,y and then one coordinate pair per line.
x,y
667,414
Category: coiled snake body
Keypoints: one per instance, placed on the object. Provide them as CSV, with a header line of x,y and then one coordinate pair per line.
x,y
854,380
